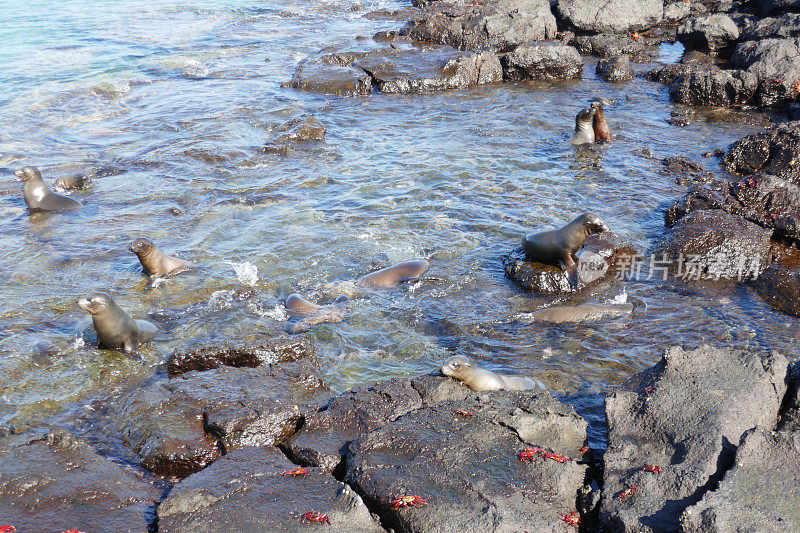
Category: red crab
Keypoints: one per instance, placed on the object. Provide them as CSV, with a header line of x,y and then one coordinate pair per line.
x,y
650,390
585,449
7,529
556,457
409,501
463,413
530,454
635,36
315,517
73,531
299,471
652,468
627,493
572,519
797,87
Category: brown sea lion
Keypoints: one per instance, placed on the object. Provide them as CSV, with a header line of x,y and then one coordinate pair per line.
x,y
558,246
115,329
581,313
584,133
78,181
156,262
38,196
394,275
314,313
479,379
602,133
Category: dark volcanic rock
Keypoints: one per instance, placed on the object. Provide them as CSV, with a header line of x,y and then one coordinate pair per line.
x,y
321,77
783,26
780,286
305,128
50,483
246,491
709,33
611,16
499,25
769,7
699,405
279,349
539,277
774,63
713,244
685,170
615,69
772,151
677,12
468,466
759,493
178,426
542,62
790,410
612,45
712,86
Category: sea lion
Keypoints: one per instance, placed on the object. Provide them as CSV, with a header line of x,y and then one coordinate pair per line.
x,y
602,133
155,262
115,329
314,313
38,196
78,181
581,313
396,274
584,133
558,246
479,379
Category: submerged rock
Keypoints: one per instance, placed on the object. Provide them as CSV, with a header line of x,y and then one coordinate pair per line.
x,y
467,466
247,491
581,313
321,77
686,415
55,482
611,16
542,62
615,69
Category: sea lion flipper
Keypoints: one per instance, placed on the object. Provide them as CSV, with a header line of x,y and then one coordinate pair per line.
x,y
128,346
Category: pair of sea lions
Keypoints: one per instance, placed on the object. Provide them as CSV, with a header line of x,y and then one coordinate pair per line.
x,y
591,125
481,379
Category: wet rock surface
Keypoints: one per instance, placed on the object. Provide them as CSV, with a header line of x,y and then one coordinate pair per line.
x,y
712,86
53,482
614,16
499,25
685,171
246,491
542,62
607,247
468,466
178,426
774,63
615,69
612,45
321,77
709,33
772,151
779,285
686,415
759,493
713,244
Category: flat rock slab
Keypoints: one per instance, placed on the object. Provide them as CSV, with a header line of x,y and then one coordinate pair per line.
x,y
499,25
178,426
686,415
325,434
54,482
468,466
612,45
325,78
601,255
247,491
711,244
542,62
773,150
760,492
611,16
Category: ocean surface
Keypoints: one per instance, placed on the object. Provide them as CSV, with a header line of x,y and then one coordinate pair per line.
x,y
169,103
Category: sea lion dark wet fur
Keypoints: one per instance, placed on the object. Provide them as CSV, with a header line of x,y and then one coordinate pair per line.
x,y
396,274
78,181
115,329
602,133
156,262
38,196
558,246
314,313
584,132
581,313
480,379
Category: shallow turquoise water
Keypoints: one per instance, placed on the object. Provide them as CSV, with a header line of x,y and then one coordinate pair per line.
x,y
178,97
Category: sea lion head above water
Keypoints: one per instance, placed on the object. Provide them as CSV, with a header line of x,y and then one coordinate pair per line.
x,y
584,132
474,377
78,181
38,196
155,261
115,329
559,246
602,133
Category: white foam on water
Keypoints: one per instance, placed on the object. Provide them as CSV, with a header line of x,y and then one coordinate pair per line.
x,y
246,273
222,299
79,343
277,313
157,282
621,298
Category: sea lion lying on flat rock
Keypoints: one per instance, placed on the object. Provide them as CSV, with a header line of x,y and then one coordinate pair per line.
x,y
480,379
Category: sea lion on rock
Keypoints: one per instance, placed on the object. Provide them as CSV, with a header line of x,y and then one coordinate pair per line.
x,y
78,181
156,262
480,379
115,329
394,275
38,196
558,246
584,132
581,313
602,133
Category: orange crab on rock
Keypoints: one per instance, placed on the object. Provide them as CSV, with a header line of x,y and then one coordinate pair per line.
x,y
313,516
627,494
409,501
299,471
572,519
7,529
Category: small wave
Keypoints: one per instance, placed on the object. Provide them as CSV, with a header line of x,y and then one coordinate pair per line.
x,y
621,298
112,89
223,299
246,273
79,343
277,313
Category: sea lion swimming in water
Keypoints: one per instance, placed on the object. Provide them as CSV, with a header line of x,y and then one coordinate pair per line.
x,y
315,314
396,274
156,262
78,181
558,246
115,329
584,132
602,133
480,379
38,196
580,313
